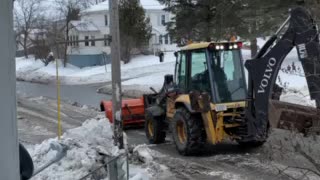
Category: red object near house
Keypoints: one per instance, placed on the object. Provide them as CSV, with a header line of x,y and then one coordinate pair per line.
x,y
132,111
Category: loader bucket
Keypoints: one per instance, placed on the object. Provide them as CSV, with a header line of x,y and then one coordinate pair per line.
x,y
132,111
294,117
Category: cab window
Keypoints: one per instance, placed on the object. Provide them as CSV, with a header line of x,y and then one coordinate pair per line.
x,y
181,70
200,80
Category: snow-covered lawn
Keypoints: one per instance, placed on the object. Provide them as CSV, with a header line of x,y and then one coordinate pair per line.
x,y
140,66
88,146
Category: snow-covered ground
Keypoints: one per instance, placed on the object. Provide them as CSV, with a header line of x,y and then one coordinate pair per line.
x,y
88,147
140,66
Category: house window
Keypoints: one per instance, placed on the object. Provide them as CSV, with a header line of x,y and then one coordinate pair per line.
x,y
160,39
106,22
106,40
86,43
77,41
163,20
166,39
93,42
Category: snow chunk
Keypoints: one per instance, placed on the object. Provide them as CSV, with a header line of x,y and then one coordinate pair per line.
x,y
225,175
143,152
152,168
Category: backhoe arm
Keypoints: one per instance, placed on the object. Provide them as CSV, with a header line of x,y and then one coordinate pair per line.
x,y
302,33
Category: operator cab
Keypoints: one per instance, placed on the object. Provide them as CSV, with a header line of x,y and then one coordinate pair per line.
x,y
215,68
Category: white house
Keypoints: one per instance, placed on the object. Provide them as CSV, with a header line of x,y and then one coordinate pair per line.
x,y
94,24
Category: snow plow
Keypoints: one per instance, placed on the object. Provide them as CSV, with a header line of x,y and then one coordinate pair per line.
x,y
132,111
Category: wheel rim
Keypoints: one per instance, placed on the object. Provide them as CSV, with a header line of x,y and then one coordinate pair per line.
x,y
150,127
181,132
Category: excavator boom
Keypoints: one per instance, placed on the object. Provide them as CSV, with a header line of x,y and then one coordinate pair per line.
x,y
301,33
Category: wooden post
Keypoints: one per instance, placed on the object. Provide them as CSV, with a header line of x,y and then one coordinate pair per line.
x,y
9,154
116,73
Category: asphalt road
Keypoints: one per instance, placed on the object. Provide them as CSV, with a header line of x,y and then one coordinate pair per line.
x,y
82,94
37,118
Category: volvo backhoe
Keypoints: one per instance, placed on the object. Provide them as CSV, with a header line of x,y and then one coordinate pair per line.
x,y
210,98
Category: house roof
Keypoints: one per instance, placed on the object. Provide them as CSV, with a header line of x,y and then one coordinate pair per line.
x,y
84,26
146,4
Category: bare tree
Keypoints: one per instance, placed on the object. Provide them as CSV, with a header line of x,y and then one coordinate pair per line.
x,y
69,10
40,44
55,35
26,14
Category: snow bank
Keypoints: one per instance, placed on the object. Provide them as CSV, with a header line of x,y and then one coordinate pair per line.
x,y
86,144
89,146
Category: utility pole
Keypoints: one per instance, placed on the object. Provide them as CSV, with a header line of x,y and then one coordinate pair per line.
x,y
116,73
9,149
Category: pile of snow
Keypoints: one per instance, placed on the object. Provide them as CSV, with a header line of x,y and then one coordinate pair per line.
x,y
88,147
86,144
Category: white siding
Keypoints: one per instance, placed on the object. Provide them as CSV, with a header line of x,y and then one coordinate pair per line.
x,y
88,50
98,18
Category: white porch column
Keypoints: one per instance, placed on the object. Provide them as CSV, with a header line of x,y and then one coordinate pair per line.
x,y
9,156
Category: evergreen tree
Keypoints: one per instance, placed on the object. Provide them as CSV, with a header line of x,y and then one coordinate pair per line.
x,y
205,20
202,20
135,28
262,18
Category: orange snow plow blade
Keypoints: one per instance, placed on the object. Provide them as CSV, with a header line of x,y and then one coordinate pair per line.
x,y
132,111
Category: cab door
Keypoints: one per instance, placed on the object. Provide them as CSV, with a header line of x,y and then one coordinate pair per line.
x,y
181,71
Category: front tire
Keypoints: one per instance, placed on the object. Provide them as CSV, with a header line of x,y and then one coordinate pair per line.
x,y
187,132
155,128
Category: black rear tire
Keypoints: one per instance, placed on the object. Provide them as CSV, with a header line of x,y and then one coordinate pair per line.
x,y
155,128
187,132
